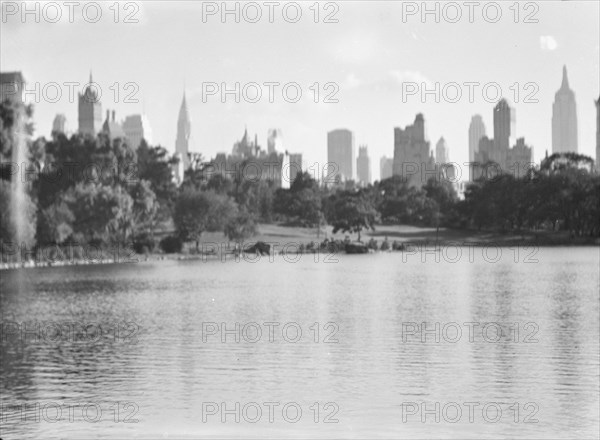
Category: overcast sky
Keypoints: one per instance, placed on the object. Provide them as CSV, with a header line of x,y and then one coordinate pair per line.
x,y
370,52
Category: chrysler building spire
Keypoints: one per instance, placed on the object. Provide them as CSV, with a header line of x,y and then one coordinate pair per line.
x,y
184,128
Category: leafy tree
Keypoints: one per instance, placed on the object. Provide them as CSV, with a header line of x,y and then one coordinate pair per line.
x,y
171,244
55,224
241,227
398,202
154,165
351,211
102,213
220,184
256,197
302,202
198,211
145,206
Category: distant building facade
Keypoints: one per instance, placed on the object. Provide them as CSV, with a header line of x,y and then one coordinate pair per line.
x,y
136,128
564,119
441,151
476,132
386,167
246,148
111,127
504,128
515,161
519,159
363,165
12,86
341,154
274,140
59,125
249,162
446,169
89,110
295,163
412,156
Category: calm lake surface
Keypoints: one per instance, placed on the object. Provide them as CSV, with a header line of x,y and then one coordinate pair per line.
x,y
539,378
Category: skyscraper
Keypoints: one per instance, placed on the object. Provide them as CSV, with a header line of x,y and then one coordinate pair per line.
x,y
90,110
446,170
598,135
363,165
441,152
412,159
184,129
136,128
295,165
476,132
291,166
274,140
564,118
504,127
519,159
386,166
59,125
341,154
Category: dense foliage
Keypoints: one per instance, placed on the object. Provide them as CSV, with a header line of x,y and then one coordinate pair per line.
x,y
97,190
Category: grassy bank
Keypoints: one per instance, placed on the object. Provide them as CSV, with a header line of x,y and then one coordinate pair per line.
x,y
282,235
411,234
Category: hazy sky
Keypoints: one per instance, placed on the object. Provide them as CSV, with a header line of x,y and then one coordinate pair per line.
x,y
369,53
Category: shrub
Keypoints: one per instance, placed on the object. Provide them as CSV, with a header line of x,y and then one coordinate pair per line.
x,y
385,246
143,243
171,244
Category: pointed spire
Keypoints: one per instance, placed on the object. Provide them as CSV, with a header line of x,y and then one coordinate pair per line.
x,y
565,80
183,111
90,77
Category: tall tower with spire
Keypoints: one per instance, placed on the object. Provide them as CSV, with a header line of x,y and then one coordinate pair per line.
x,y
564,118
90,110
184,129
598,134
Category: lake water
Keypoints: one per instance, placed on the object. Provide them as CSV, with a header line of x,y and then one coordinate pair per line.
x,y
367,372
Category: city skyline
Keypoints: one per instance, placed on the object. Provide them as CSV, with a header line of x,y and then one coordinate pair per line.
x,y
341,146
369,53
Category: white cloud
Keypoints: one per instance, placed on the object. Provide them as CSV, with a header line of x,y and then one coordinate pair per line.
x,y
410,76
351,81
548,43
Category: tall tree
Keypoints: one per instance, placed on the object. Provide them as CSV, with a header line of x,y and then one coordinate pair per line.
x,y
199,211
351,211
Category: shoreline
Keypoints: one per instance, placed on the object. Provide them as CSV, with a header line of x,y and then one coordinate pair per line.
x,y
408,236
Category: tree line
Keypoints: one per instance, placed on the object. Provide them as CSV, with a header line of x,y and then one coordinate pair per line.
x,y
139,203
